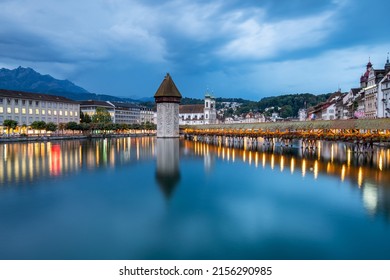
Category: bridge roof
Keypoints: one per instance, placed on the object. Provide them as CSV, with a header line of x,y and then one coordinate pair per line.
x,y
369,124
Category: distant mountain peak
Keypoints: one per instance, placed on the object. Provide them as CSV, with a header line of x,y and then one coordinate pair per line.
x,y
27,79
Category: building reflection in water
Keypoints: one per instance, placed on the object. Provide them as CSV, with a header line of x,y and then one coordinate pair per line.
x,y
27,162
369,172
167,171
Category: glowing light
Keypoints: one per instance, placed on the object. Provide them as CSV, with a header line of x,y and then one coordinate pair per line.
x,y
349,156
360,177
55,160
272,161
243,156
380,163
263,160
250,157
303,168
315,169
370,198
281,163
343,173
233,155
331,153
292,165
256,159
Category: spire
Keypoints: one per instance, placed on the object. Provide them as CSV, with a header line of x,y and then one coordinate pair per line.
x,y
387,65
369,64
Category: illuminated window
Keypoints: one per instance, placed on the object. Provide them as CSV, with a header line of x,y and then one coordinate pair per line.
x,y
37,111
75,113
30,111
16,110
1,110
55,112
9,110
71,113
66,113
60,112
23,111
43,112
49,112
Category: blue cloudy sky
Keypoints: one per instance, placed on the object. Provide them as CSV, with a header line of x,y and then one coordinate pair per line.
x,y
236,48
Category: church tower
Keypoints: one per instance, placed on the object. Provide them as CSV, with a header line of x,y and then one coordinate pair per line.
x,y
210,111
167,98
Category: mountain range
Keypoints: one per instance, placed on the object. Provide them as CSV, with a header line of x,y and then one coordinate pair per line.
x,y
27,79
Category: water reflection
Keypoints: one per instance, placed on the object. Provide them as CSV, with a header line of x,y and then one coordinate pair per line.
x,y
21,162
167,173
369,172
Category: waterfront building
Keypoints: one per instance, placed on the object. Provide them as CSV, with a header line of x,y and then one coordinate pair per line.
x,y
196,114
120,112
27,107
167,98
89,107
302,114
146,115
369,81
384,93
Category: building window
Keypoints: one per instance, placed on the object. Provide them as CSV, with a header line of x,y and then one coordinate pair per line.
x,y
37,111
16,101
30,111
1,110
9,110
30,102
43,112
49,112
66,113
16,110
1,100
23,102
75,114
36,103
55,112
8,101
23,111
43,104
71,113
60,112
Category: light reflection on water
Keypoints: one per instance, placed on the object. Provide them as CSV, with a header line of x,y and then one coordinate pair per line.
x,y
368,171
142,197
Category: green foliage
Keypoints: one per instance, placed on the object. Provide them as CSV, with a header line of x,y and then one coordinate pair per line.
x,y
10,124
51,126
85,118
38,125
101,116
72,126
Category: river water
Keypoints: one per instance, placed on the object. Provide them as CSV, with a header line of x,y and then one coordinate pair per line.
x,y
142,198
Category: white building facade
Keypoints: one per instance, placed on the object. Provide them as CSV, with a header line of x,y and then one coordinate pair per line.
x,y
27,107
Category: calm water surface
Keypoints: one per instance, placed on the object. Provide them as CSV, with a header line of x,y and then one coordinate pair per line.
x,y
142,198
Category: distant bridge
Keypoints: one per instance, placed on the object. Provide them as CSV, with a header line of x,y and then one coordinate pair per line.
x,y
362,132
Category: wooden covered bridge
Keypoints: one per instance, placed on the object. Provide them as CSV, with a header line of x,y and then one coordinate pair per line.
x,y
361,132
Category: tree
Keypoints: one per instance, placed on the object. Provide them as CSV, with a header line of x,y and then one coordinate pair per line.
x,y
72,126
101,116
38,125
286,111
85,118
10,124
50,126
62,126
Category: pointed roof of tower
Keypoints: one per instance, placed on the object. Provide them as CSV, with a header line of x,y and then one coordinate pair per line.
x,y
167,88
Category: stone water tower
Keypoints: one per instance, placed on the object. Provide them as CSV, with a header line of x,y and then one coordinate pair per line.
x,y
167,98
